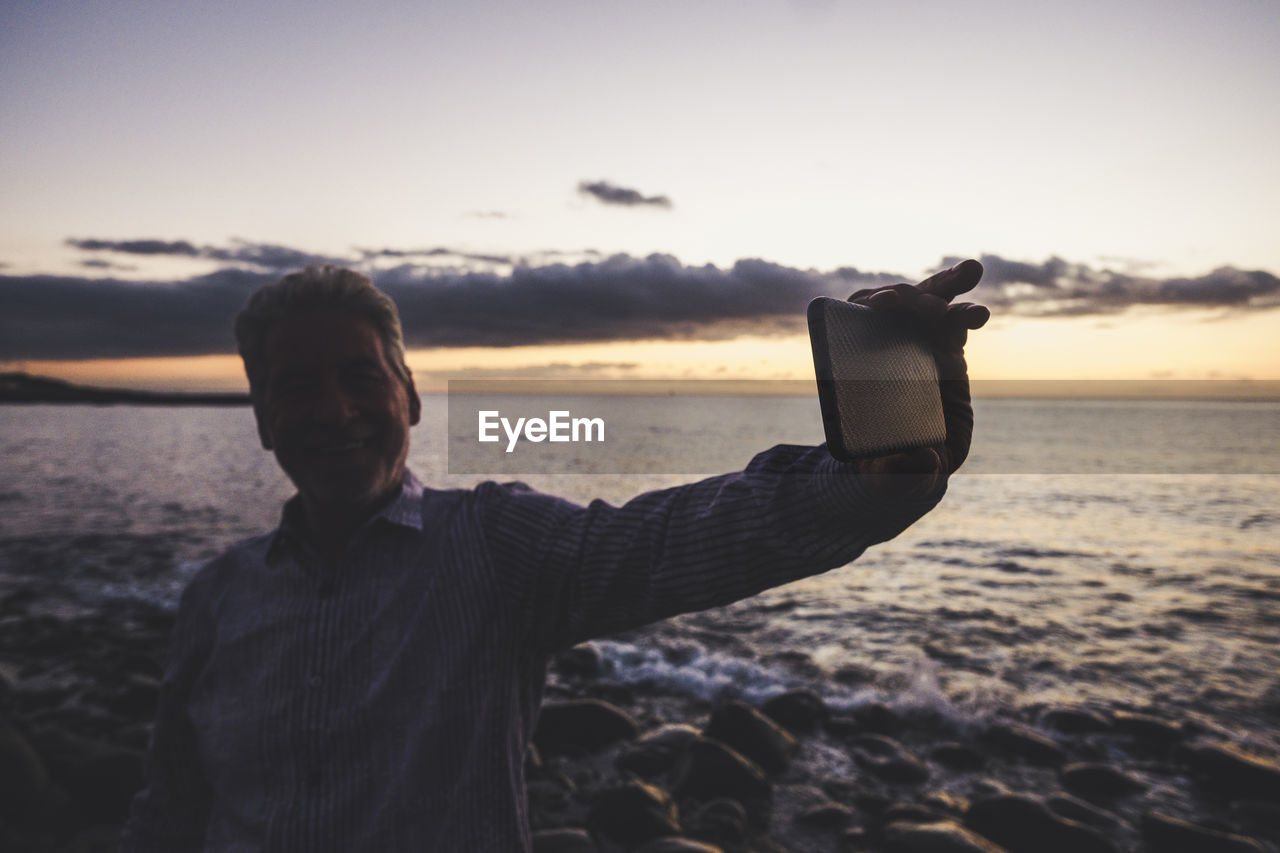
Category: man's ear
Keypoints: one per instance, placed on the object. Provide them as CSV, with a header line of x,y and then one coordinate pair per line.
x,y
415,403
264,435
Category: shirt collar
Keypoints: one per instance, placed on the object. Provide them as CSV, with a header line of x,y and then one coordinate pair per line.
x,y
404,511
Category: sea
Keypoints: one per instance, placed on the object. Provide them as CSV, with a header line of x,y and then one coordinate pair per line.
x,y
1107,554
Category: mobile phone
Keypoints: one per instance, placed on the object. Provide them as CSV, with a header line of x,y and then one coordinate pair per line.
x,y
877,381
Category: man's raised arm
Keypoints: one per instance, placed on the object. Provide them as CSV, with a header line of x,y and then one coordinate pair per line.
x,y
792,512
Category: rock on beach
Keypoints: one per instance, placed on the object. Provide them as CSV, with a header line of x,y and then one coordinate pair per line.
x,y
754,735
1231,769
713,769
1026,743
582,726
800,712
1167,834
1099,782
633,813
1024,824
657,751
1076,721
940,837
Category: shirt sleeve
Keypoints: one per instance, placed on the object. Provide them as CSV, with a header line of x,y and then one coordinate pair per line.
x,y
170,814
583,572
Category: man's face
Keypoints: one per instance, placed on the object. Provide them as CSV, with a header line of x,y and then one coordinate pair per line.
x,y
334,411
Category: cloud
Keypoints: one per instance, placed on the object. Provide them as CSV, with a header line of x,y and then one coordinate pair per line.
x,y
552,301
1056,288
99,264
608,193
856,279
269,256
59,317
439,252
998,270
137,247
620,297
265,255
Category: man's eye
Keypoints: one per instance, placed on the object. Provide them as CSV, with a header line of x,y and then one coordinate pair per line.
x,y
294,388
364,378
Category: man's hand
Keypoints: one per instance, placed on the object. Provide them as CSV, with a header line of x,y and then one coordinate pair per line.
x,y
946,324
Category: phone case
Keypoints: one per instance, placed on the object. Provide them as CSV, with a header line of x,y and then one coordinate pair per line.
x,y
877,381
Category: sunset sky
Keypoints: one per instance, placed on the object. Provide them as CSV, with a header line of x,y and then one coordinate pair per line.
x,y
628,189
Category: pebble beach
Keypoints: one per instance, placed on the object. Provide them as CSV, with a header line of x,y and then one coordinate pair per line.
x,y
635,767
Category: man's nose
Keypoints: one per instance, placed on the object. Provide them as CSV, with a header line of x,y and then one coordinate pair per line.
x,y
333,404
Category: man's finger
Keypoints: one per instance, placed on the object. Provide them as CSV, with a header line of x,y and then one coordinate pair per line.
x,y
908,299
922,460
968,314
903,475
885,300
950,283
929,308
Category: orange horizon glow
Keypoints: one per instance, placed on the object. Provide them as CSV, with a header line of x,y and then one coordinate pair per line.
x,y
1151,345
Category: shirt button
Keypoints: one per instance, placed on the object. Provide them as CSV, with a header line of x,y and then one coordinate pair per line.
x,y
313,778
326,589
315,681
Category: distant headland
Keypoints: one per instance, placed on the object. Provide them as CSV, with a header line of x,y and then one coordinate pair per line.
x,y
24,388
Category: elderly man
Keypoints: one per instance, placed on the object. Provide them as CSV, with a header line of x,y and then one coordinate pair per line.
x,y
366,677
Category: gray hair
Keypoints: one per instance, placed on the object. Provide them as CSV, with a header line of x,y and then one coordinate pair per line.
x,y
317,287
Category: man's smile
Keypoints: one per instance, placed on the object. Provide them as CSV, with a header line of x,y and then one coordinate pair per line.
x,y
331,447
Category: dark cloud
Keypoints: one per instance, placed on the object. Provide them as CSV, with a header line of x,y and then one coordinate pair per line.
x,y
997,270
1223,286
269,256
55,317
1060,289
608,193
99,264
264,255
137,247
597,299
438,252
859,280
616,298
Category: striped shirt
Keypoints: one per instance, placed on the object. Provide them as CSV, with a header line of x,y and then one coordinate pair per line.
x,y
383,700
